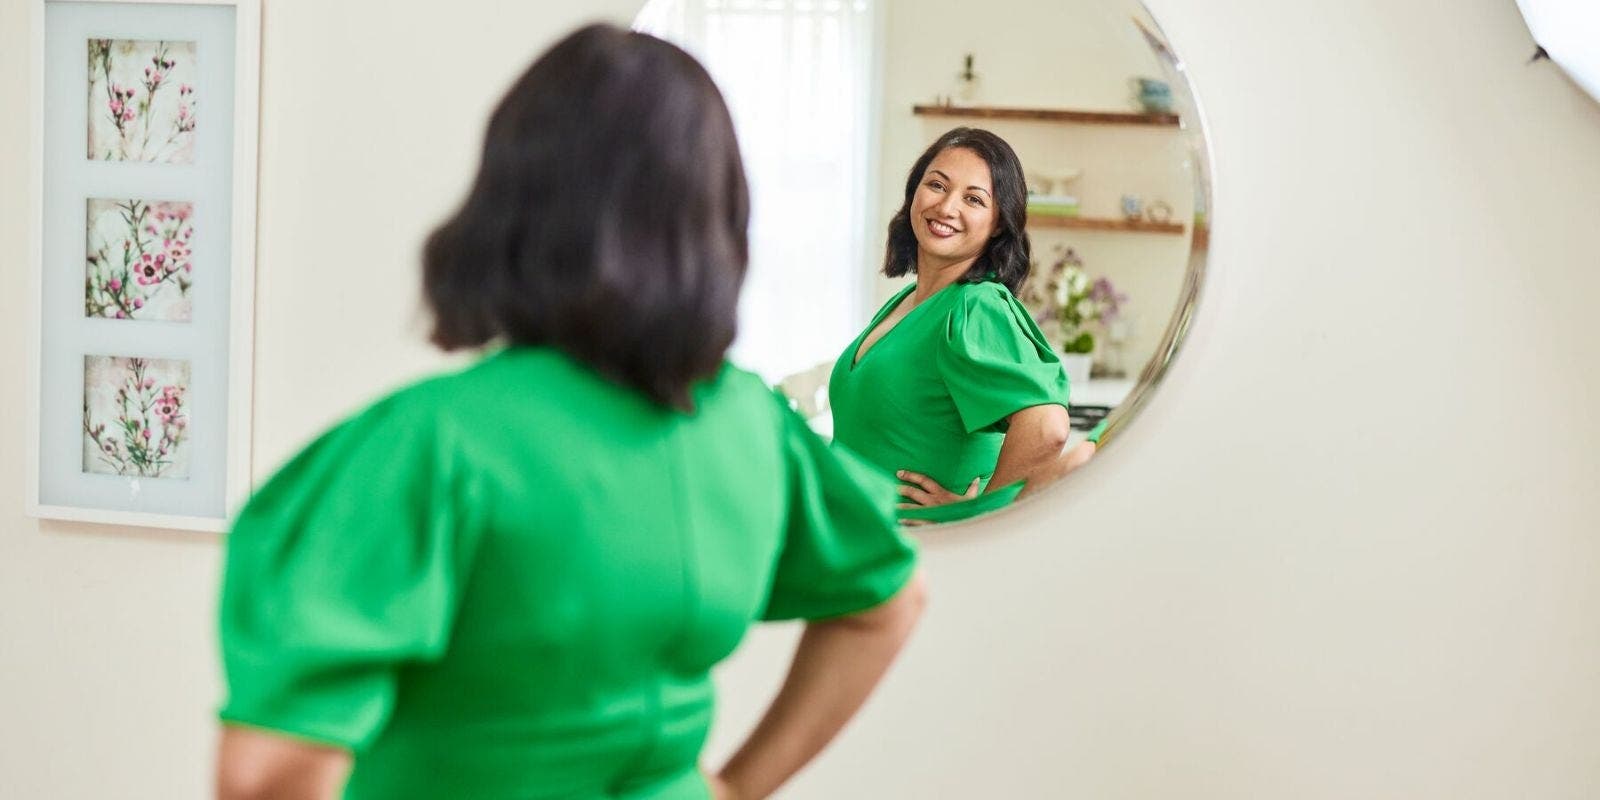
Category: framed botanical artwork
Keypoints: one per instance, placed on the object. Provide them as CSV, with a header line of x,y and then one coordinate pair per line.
x,y
144,185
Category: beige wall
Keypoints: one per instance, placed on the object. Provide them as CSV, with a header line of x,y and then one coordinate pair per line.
x,y
1349,551
1074,54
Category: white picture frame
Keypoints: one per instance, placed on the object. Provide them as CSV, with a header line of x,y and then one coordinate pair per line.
x,y
202,416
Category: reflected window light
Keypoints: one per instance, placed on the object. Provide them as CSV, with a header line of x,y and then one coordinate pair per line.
x,y
797,76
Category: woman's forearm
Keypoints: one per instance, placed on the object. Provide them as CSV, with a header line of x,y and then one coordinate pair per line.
x,y
1069,460
835,668
255,764
1034,449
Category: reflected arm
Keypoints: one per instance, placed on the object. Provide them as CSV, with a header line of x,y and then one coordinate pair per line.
x,y
1035,449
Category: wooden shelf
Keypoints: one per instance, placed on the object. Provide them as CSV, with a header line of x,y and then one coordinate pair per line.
x,y
1100,224
1049,115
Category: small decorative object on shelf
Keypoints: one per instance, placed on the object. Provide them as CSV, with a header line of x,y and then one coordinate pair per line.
x,y
1132,207
1040,183
967,88
1159,212
1154,96
1052,205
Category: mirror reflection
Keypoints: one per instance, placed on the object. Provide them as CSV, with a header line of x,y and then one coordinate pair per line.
x,y
974,246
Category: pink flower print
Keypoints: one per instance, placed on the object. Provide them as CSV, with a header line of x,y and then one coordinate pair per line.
x,y
145,433
149,273
122,314
149,383
138,302
115,284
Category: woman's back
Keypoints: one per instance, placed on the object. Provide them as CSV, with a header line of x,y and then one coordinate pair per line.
x,y
551,568
512,582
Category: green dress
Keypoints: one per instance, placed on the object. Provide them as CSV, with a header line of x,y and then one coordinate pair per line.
x,y
933,394
512,581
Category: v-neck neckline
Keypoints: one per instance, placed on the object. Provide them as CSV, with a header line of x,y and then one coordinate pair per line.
x,y
856,352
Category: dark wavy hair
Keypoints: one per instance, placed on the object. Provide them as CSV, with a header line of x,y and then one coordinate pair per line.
x,y
1009,253
608,218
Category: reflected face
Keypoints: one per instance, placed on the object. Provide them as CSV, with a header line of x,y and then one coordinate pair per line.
x,y
953,212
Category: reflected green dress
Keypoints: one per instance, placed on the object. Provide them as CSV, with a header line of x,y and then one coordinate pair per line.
x,y
933,394
512,581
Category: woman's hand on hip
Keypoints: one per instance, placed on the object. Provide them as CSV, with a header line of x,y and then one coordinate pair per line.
x,y
924,491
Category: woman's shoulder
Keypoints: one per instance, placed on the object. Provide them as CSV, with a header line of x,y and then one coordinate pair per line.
x,y
421,405
547,384
984,304
735,385
985,293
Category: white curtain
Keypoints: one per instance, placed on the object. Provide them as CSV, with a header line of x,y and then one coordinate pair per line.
x,y
797,76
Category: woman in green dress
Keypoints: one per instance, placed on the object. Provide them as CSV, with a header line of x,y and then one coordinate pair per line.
x,y
512,581
951,385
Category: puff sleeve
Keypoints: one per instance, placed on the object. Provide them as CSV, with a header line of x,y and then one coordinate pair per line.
x,y
843,550
342,569
995,361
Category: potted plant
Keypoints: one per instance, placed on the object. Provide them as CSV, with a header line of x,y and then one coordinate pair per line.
x,y
1064,297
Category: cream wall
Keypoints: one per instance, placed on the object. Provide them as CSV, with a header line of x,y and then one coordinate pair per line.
x,y
1072,54
1349,550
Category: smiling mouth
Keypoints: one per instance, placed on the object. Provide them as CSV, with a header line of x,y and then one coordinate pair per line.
x,y
939,228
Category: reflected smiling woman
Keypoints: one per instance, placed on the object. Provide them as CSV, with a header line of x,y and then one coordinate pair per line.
x,y
952,386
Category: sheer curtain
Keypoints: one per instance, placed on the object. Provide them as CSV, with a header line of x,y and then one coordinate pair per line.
x,y
797,76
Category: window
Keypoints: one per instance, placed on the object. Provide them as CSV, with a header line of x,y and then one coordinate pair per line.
x,y
798,79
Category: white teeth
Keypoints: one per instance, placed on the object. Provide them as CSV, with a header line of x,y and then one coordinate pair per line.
x,y
940,227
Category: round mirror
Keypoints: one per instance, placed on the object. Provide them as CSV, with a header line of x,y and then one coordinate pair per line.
x,y
837,103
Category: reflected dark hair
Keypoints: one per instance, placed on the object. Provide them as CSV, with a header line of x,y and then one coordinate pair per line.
x,y
607,219
1009,253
